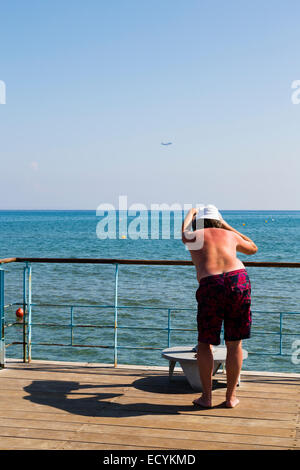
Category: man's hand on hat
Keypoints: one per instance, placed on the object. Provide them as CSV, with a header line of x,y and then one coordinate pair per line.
x,y
194,211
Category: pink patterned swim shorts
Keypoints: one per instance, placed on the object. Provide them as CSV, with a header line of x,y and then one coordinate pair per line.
x,y
224,297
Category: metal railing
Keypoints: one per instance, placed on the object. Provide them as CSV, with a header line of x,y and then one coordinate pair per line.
x,y
27,322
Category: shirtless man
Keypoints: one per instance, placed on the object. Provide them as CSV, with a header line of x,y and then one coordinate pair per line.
x,y
224,294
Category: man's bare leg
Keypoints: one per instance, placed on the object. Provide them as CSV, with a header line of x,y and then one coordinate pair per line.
x,y
234,361
205,361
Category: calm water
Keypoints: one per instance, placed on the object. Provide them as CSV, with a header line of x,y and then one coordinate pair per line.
x,y
73,234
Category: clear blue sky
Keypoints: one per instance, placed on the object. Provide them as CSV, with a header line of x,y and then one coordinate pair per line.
x,y
94,87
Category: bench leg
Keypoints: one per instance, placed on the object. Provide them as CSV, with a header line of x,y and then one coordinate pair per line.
x,y
171,369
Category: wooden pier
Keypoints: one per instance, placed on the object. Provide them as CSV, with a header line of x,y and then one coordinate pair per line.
x,y
59,405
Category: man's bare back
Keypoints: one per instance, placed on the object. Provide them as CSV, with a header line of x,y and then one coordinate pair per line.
x,y
218,248
218,254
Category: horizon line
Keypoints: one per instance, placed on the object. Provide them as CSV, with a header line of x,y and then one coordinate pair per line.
x,y
144,210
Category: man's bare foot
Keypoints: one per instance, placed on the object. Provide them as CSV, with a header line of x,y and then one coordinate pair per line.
x,y
202,402
232,402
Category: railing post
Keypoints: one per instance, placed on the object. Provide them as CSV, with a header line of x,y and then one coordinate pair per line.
x,y
169,326
27,313
24,316
280,333
116,317
2,338
71,325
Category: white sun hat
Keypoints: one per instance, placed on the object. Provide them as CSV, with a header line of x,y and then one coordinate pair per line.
x,y
208,212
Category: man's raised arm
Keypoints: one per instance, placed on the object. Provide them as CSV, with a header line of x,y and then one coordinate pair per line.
x,y
244,243
186,233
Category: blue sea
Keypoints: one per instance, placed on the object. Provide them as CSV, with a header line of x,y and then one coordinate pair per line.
x,y
55,287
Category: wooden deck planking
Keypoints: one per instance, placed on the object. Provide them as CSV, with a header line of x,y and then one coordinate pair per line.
x,y
125,398
69,406
110,433
232,425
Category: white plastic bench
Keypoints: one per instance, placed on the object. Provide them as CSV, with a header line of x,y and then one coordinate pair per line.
x,y
185,355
